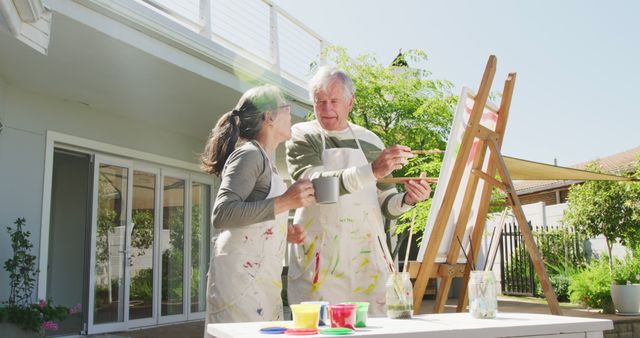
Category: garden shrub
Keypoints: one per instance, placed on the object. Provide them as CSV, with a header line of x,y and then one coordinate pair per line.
x,y
560,285
592,286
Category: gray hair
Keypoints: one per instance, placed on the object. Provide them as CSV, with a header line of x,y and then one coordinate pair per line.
x,y
327,74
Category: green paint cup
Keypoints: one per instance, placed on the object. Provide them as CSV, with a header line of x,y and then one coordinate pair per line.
x,y
362,313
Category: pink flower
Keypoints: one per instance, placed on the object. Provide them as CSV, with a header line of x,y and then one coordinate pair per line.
x,y
42,304
49,325
75,309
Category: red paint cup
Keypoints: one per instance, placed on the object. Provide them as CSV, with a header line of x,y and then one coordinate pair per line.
x,y
343,315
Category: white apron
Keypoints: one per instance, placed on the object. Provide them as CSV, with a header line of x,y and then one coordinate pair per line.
x,y
244,279
341,259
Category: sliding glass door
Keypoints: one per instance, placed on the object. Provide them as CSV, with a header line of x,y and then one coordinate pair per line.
x,y
150,245
110,242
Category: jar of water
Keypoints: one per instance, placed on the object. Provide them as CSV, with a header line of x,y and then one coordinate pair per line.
x,y
483,301
399,296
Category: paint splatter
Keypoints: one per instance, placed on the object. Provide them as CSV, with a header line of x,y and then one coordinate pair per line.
x,y
308,252
364,262
317,270
249,264
336,264
268,233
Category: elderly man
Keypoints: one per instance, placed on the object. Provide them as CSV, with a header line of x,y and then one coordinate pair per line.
x,y
342,258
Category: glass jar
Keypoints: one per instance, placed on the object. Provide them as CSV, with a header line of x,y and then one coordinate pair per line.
x,y
399,296
483,301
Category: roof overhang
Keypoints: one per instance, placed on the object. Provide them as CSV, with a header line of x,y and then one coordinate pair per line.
x,y
28,21
118,68
29,10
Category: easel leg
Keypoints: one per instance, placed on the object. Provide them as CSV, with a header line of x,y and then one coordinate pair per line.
x,y
530,244
443,294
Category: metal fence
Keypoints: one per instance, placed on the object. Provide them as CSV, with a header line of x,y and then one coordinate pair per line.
x,y
516,266
560,248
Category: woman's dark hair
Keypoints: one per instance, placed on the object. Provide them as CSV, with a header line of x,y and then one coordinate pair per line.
x,y
244,121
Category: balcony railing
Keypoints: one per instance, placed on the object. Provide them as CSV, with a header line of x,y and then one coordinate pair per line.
x,y
256,29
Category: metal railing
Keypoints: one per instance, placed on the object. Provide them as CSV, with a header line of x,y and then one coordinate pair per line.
x,y
256,29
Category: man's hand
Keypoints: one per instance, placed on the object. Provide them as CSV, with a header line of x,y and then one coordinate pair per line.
x,y
390,159
416,191
296,234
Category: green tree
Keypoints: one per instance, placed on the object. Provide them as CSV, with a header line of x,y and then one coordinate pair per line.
x,y
402,104
608,208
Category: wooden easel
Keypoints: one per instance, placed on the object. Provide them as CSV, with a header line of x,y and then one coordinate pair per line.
x,y
487,139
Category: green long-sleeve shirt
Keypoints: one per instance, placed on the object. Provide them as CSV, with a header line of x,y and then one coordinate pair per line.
x,y
304,160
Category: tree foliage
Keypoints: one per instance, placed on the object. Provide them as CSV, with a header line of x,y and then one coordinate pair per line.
x,y
607,208
402,105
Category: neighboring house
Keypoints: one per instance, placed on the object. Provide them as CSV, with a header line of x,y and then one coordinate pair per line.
x,y
104,108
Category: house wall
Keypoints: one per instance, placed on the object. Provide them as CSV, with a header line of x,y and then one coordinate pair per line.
x,y
27,116
548,197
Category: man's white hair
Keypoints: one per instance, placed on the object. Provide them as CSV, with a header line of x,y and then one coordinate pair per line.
x,y
327,74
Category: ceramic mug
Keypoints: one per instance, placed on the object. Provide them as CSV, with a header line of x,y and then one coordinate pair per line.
x,y
326,189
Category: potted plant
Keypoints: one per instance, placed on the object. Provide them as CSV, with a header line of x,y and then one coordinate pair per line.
x,y
19,315
625,285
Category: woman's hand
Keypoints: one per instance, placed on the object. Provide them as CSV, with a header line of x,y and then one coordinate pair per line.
x,y
296,234
300,194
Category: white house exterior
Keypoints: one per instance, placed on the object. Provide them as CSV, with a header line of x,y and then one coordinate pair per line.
x,y
104,108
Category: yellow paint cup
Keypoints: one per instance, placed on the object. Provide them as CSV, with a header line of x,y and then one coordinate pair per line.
x,y
305,316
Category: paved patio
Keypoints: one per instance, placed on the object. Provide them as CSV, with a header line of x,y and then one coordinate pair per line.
x,y
626,326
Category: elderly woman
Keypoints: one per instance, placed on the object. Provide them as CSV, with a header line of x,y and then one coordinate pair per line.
x,y
251,209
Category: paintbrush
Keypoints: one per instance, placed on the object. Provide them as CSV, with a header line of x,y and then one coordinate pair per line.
x,y
486,262
471,252
427,152
406,254
465,254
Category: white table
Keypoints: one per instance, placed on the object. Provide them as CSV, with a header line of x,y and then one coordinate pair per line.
x,y
448,325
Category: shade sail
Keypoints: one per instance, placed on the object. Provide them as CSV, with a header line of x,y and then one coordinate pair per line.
x,y
520,169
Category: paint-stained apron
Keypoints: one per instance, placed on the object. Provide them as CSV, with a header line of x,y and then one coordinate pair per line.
x,y
341,259
244,279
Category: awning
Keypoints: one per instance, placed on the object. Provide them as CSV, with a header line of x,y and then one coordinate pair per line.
x,y
528,170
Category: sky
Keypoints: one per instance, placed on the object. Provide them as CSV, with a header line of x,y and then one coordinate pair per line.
x,y
577,62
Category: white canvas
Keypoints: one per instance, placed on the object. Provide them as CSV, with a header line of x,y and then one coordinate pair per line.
x,y
460,122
